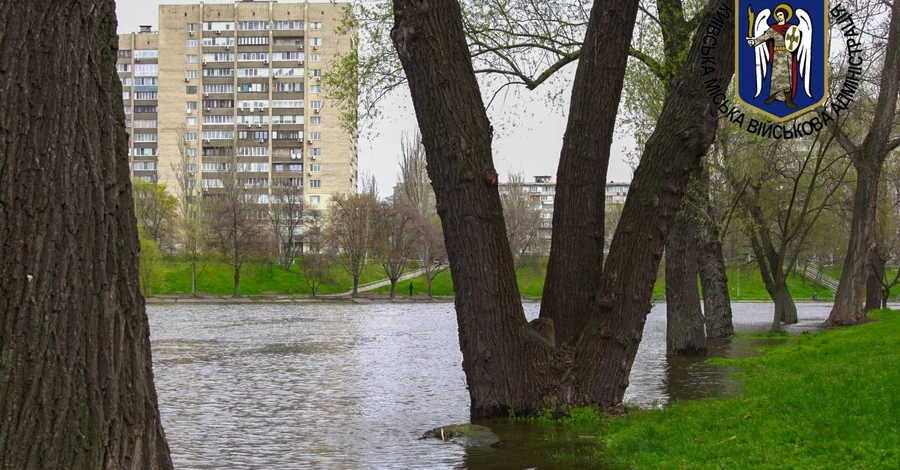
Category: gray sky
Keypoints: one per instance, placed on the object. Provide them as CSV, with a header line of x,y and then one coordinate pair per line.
x,y
528,130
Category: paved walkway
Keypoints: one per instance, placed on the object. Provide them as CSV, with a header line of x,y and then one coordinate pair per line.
x,y
386,282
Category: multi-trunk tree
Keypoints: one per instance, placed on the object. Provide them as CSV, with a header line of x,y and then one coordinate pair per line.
x,y
350,230
508,366
76,382
868,159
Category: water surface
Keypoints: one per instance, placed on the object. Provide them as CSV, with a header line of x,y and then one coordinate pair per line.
x,y
344,386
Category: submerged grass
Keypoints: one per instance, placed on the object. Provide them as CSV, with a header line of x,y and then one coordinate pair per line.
x,y
828,400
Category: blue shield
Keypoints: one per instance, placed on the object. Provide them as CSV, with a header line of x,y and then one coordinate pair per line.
x,y
781,56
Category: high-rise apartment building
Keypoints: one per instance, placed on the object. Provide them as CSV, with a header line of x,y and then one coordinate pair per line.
x,y
242,78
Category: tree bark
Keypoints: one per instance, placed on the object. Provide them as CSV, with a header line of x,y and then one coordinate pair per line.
x,y
237,280
713,277
848,300
576,250
193,278
508,366
77,384
785,308
685,335
355,291
868,159
873,283
393,288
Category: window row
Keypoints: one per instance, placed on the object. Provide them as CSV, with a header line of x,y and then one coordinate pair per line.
x,y
146,54
144,166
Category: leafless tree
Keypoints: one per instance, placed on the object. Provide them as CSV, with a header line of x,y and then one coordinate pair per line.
x,y
316,263
235,215
286,218
523,219
349,230
192,230
397,232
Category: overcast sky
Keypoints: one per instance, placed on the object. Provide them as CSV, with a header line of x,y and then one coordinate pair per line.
x,y
528,130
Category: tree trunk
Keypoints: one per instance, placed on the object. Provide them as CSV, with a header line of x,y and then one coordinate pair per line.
x,y
508,366
848,301
76,383
685,335
713,277
576,250
393,288
428,279
237,280
355,292
785,309
873,283
868,159
193,278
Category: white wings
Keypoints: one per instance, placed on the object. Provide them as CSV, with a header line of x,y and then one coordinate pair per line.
x,y
760,26
804,51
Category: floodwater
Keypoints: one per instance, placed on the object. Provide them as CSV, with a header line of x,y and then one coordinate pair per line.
x,y
346,386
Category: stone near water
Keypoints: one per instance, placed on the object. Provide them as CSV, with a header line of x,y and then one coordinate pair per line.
x,y
466,435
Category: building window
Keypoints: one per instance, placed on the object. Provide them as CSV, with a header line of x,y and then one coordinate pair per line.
x,y
191,74
191,121
253,41
123,67
315,104
315,88
315,136
315,183
191,43
190,90
124,54
146,54
218,26
190,137
146,70
146,95
191,27
127,109
315,25
192,105
290,24
315,167
253,25
192,58
191,153
315,120
315,199
315,152
315,57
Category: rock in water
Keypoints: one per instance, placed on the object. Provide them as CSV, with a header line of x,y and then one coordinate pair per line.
x,y
466,435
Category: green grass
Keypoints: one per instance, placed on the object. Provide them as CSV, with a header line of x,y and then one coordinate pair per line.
x,y
256,279
828,401
744,283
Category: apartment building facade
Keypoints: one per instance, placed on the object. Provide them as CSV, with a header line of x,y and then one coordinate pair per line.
x,y
542,192
238,83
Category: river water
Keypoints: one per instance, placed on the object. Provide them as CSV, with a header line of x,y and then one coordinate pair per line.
x,y
346,386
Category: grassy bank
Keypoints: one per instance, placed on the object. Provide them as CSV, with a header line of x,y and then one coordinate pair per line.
x,y
830,401
744,283
256,279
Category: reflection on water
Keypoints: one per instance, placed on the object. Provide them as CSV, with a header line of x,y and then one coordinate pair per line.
x,y
354,386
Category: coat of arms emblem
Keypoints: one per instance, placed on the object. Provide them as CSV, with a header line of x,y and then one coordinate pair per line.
x,y
781,61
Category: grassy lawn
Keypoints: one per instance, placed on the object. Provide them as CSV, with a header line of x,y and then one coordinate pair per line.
x,y
744,283
256,279
827,401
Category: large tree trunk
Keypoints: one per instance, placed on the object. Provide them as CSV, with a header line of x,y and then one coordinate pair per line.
x,y
507,365
685,335
868,159
355,291
848,301
76,385
873,283
576,251
393,288
785,308
713,278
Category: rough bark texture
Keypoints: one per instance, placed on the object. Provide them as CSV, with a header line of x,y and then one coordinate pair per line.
x,y
576,254
713,277
868,159
685,335
772,272
76,385
508,366
873,284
